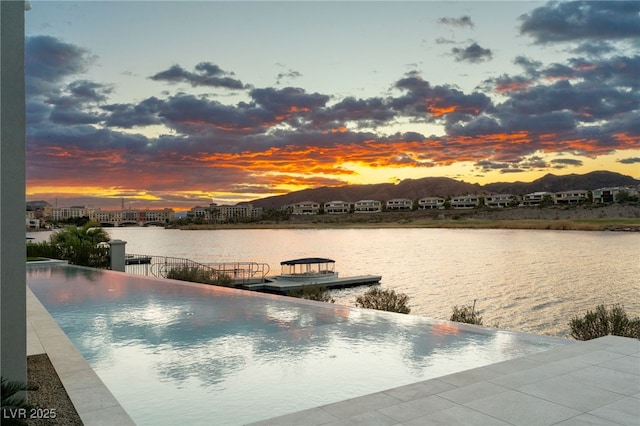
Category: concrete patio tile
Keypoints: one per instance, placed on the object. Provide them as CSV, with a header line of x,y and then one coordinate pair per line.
x,y
419,390
586,420
92,398
522,378
459,416
371,418
106,417
353,407
469,377
624,411
561,390
416,408
622,345
515,365
556,354
597,357
474,391
626,364
611,380
310,417
521,409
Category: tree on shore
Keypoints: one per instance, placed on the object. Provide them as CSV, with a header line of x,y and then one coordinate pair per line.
x,y
384,300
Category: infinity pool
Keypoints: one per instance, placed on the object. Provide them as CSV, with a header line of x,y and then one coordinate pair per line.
x,y
181,353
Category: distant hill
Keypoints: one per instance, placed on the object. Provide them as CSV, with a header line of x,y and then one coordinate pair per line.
x,y
446,187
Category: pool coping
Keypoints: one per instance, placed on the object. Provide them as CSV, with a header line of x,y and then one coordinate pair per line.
x,y
91,398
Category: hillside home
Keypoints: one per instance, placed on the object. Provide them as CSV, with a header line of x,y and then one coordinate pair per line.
x,y
500,200
431,203
337,207
400,204
367,206
465,202
571,197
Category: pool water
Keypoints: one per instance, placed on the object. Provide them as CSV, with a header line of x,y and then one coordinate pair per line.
x,y
182,353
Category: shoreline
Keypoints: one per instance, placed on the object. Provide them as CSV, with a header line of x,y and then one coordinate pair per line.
x,y
619,225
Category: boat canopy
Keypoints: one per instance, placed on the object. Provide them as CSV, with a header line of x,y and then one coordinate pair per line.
x,y
307,261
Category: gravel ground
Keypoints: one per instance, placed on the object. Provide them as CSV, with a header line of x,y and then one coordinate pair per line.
x,y
50,397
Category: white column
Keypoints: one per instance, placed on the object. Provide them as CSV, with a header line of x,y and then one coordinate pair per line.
x,y
13,326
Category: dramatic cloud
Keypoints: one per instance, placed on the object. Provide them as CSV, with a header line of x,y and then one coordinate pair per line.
x,y
463,21
206,74
472,53
632,160
582,20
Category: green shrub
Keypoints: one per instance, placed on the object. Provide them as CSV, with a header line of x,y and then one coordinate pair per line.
x,y
384,300
199,274
313,292
603,322
466,314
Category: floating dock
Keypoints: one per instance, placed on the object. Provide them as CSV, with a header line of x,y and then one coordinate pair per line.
x,y
272,285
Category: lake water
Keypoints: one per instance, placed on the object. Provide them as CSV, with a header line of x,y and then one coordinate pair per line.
x,y
523,280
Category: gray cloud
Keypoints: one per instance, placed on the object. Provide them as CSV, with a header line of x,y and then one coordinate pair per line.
x,y
582,20
461,22
206,74
473,53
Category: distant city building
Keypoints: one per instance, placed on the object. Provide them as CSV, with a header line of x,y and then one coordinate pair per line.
x,y
225,213
431,203
132,216
400,204
64,213
367,206
337,207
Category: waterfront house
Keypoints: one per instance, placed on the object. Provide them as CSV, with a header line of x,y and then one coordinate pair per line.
x,y
612,194
465,202
400,204
535,198
367,206
337,207
500,200
305,207
431,203
571,197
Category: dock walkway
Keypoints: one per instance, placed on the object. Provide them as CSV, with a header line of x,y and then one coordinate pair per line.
x,y
273,285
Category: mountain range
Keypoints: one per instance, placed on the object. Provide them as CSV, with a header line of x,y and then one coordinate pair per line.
x,y
445,187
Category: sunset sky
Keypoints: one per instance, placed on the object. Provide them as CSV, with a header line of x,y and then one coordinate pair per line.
x,y
178,104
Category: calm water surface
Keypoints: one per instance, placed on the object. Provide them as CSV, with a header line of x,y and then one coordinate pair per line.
x,y
524,280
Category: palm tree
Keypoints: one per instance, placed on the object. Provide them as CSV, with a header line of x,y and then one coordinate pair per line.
x,y
80,245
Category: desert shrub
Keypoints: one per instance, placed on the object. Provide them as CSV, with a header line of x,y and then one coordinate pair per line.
x,y
384,300
604,322
199,274
313,292
466,314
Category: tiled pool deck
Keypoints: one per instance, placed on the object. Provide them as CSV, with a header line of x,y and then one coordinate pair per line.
x,y
586,383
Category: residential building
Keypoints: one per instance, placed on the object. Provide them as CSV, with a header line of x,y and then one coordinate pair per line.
x,y
337,207
305,207
431,203
367,206
400,204
235,213
571,197
132,216
465,202
500,200
535,198
63,213
612,194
